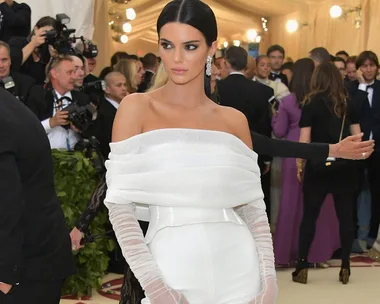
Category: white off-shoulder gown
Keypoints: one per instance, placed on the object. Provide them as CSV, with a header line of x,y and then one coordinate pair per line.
x,y
186,183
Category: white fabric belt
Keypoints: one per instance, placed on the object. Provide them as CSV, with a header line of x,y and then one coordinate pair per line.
x,y
162,217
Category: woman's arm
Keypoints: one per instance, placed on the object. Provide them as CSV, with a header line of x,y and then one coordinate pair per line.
x,y
128,122
255,217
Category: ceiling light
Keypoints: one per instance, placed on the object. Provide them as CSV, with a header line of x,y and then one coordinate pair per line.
x,y
336,11
124,39
225,44
292,26
251,35
236,42
127,27
131,14
258,39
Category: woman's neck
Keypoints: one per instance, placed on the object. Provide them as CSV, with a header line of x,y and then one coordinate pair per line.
x,y
189,95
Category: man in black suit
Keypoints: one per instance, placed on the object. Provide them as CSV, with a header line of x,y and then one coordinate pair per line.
x,y
22,83
49,101
249,97
365,93
15,20
35,255
276,55
151,65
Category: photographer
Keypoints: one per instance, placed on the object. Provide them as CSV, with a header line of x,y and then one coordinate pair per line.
x,y
19,85
31,55
49,102
15,20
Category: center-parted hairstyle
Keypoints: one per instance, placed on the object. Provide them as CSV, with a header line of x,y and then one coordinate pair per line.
x,y
196,14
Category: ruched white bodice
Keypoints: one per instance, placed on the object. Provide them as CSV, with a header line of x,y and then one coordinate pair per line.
x,y
183,168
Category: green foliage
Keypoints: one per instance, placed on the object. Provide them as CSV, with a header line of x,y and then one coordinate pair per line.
x,y
75,180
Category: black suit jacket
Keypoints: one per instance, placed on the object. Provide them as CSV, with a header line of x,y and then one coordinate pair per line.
x,y
102,127
23,85
147,82
369,115
282,76
34,238
16,20
41,101
249,97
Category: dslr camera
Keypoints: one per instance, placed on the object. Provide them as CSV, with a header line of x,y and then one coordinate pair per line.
x,y
62,41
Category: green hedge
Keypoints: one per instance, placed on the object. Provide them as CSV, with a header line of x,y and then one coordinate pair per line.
x,y
75,179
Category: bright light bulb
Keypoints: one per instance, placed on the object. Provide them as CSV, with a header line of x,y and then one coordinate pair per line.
x,y
225,44
292,26
127,27
258,39
131,14
236,42
124,39
336,11
251,35
266,29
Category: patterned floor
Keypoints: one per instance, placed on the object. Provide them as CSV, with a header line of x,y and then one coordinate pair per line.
x,y
365,272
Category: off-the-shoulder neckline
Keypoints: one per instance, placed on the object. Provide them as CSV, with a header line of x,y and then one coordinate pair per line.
x,y
195,130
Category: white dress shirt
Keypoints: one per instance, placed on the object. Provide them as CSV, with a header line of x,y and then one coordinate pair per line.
x,y
112,102
59,137
363,87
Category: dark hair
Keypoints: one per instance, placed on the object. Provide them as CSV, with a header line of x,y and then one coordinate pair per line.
x,y
327,80
320,55
237,57
302,73
44,21
196,14
287,66
149,61
342,53
339,59
274,48
133,57
118,56
367,55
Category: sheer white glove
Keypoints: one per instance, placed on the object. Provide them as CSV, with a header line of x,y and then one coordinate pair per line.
x,y
139,257
257,223
268,294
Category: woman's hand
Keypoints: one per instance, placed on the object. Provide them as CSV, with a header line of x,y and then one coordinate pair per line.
x,y
76,236
38,38
268,294
352,148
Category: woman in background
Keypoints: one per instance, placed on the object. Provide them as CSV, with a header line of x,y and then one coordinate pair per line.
x,y
327,116
285,125
130,68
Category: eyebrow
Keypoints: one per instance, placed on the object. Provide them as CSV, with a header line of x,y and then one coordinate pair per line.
x,y
187,42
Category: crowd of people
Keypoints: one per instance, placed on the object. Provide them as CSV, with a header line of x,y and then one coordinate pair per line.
x,y
311,122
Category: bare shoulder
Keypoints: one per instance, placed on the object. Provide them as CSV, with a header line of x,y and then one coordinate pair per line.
x,y
237,123
129,118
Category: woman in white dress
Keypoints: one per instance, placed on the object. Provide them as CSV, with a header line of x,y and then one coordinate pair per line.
x,y
186,164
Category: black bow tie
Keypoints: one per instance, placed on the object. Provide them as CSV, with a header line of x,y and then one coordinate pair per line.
x,y
370,86
275,75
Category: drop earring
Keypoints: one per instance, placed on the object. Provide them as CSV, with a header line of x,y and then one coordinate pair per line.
x,y
208,65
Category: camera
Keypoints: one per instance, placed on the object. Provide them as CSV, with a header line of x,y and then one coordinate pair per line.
x,y
99,85
80,116
8,84
62,41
